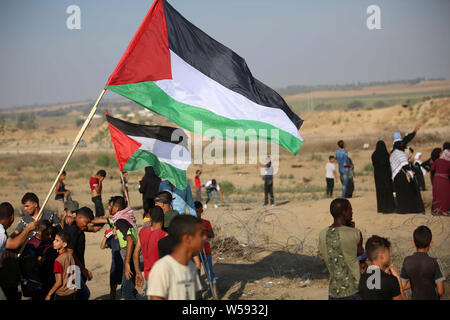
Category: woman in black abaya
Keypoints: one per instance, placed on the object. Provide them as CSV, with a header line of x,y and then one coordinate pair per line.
x,y
149,186
407,193
383,179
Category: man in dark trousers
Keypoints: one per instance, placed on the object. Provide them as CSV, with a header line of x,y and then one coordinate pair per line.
x,y
268,181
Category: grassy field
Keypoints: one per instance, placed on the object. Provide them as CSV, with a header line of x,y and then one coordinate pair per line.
x,y
367,101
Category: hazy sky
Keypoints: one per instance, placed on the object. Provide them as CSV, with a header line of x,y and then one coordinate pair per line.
x,y
284,42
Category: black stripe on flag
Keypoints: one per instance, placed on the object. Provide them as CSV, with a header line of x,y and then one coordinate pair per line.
x,y
161,133
219,63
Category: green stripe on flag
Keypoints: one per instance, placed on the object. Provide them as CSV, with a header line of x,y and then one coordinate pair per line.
x,y
149,95
141,159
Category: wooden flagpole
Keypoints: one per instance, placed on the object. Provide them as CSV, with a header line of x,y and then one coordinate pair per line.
x,y
124,188
74,146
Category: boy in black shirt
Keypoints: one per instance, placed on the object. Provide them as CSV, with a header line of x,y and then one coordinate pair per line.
x,y
422,273
77,245
381,280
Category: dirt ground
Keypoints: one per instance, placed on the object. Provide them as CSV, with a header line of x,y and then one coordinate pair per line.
x,y
263,252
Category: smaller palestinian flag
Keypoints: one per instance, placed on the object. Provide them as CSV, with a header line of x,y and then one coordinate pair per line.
x,y
139,146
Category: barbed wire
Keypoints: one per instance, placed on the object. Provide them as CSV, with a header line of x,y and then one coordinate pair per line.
x,y
279,229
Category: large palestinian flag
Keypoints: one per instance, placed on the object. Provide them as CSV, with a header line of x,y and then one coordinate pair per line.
x,y
164,148
176,70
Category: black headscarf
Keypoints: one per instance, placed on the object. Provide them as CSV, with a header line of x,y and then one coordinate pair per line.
x,y
436,153
380,157
149,185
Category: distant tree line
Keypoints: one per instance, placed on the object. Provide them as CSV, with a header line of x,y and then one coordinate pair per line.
x,y
294,89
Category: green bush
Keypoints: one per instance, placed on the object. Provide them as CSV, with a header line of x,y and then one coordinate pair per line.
x,y
105,161
356,104
316,157
227,187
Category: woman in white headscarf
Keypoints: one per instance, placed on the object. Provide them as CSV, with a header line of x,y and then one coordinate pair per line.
x,y
407,193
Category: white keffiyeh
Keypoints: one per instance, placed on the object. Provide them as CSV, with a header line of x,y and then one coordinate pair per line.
x,y
398,160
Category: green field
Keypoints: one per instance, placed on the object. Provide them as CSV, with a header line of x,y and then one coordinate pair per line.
x,y
366,101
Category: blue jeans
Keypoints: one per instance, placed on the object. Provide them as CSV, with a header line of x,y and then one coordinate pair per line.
x,y
84,293
128,288
208,194
344,179
208,260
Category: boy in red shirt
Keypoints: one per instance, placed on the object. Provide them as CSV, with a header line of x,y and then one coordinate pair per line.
x,y
67,273
96,188
208,231
148,243
198,185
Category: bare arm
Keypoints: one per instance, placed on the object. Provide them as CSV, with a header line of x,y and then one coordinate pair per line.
x,y
221,196
392,270
360,249
94,228
440,288
103,243
20,238
128,273
137,267
56,286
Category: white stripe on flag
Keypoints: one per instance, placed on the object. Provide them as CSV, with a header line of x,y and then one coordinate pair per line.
x,y
174,154
190,86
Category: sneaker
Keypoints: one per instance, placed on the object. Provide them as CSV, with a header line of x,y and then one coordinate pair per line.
x,y
215,206
205,206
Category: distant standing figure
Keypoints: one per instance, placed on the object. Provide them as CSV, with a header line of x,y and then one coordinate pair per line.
x,y
268,181
383,179
149,186
351,180
330,169
96,188
342,159
198,186
181,197
60,192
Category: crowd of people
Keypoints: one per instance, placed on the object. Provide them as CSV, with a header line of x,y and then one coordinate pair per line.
x,y
400,177
164,256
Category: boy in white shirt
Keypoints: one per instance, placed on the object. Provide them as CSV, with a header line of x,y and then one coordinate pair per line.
x,y
330,175
174,277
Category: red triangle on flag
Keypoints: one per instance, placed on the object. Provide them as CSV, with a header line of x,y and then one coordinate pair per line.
x,y
124,146
147,57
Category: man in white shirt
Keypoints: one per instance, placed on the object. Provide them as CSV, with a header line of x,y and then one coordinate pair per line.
x,y
174,277
330,176
213,186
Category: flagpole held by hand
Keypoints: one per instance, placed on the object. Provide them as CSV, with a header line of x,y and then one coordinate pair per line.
x,y
125,191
